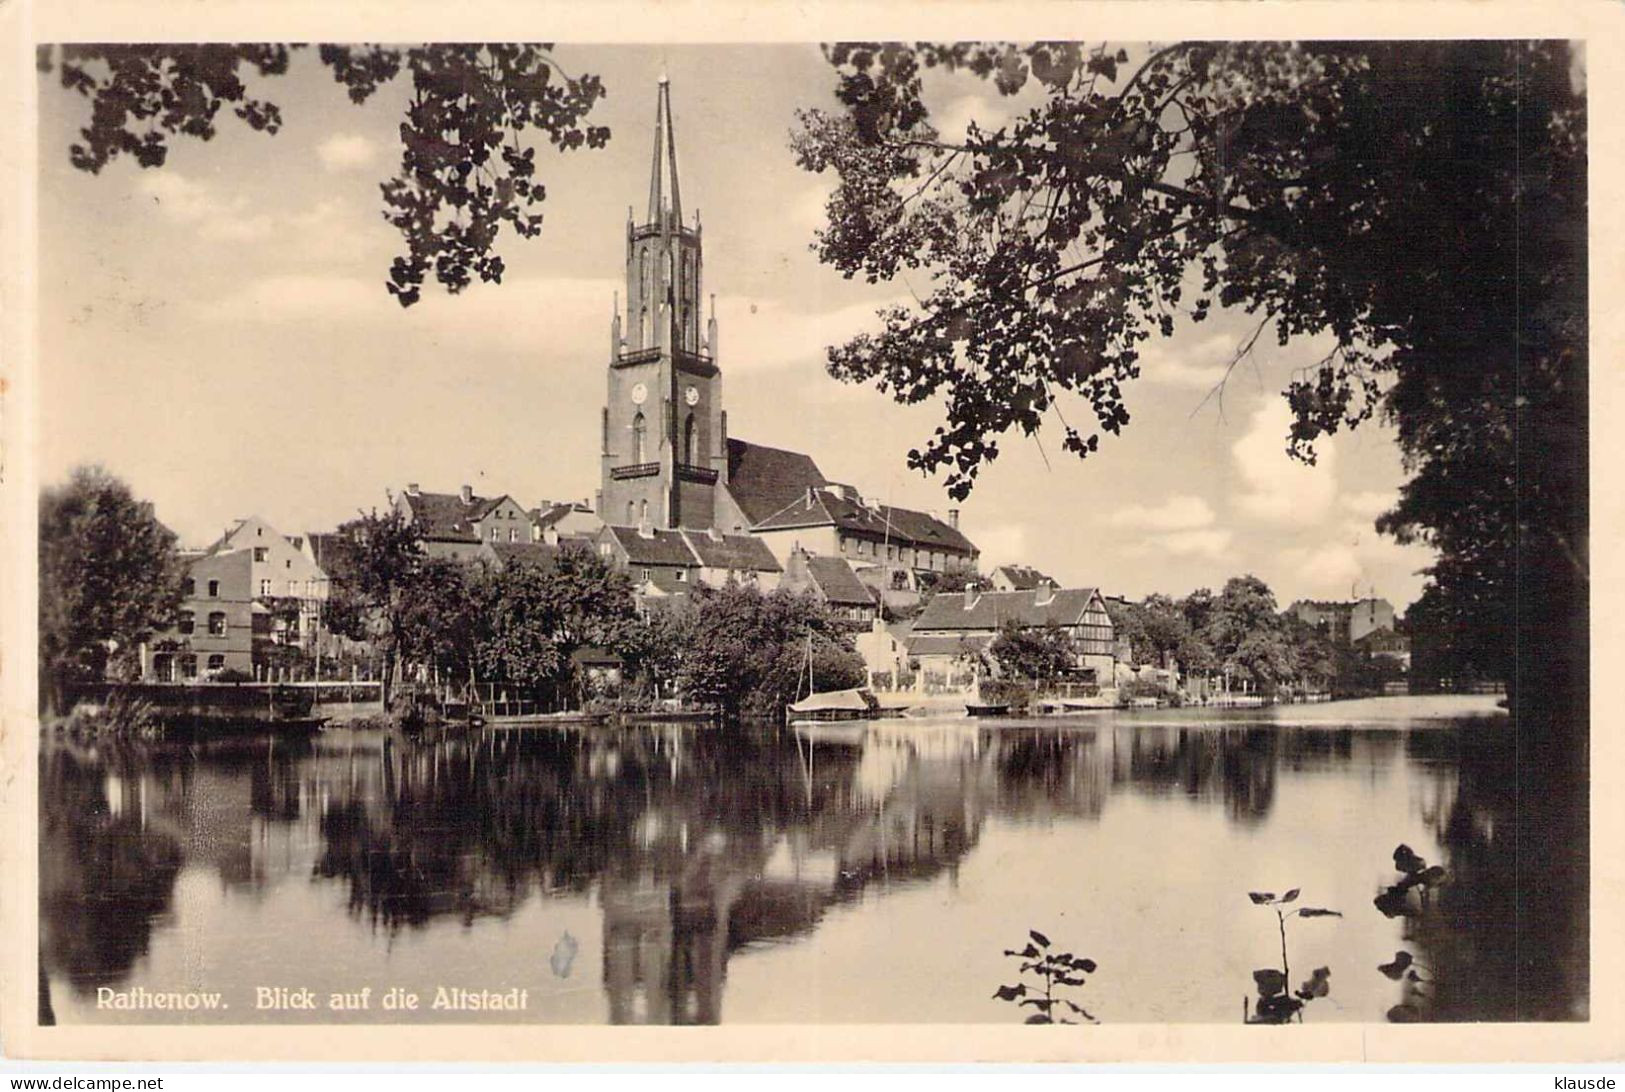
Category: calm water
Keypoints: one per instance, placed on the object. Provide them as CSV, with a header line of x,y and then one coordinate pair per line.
x,y
683,875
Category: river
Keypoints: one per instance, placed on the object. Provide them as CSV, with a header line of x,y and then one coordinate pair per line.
x,y
665,874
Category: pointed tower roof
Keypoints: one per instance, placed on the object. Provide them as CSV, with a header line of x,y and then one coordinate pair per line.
x,y
664,198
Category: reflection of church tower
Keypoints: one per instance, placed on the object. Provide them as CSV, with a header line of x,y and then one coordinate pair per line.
x,y
664,433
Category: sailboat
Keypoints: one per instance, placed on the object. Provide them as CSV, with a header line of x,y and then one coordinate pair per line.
x,y
822,707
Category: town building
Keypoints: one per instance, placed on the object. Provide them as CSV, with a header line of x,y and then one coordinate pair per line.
x,y
1017,578
955,626
1387,644
1345,621
833,582
667,461
246,597
667,562
456,525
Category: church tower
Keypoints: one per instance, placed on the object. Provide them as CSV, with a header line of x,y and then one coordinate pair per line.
x,y
665,444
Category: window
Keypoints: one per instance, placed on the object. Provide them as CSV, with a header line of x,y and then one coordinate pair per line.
x,y
496,534
261,553
638,430
513,534
163,667
214,589
293,589
646,575
688,440
189,587
265,587
682,576
643,511
604,551
217,623
217,662
187,622
631,512
188,667
288,564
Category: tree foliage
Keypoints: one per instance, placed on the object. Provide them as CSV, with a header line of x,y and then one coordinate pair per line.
x,y
748,652
536,617
1418,207
377,601
1038,654
465,171
109,575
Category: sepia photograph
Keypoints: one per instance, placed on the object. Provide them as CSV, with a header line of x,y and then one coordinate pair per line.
x,y
844,532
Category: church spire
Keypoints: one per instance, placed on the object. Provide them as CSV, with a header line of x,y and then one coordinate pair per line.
x,y
664,198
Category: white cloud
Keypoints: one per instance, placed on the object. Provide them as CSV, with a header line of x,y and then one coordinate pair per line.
x,y
1178,513
1370,504
1211,542
1199,367
196,205
761,334
346,152
1353,560
1276,488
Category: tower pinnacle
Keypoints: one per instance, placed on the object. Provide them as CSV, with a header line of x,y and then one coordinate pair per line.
x,y
664,199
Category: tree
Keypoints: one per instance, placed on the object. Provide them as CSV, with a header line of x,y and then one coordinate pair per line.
x,y
443,617
654,647
464,173
109,576
1249,639
537,617
381,556
1419,206
748,652
1039,654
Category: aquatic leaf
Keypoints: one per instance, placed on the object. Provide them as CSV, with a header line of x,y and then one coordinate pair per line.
x,y
1043,941
1277,1010
1392,902
1039,1018
1088,965
1406,860
1010,993
1290,896
1397,969
1404,1014
1319,912
1433,874
1261,898
1270,982
1029,952
1318,984
1413,976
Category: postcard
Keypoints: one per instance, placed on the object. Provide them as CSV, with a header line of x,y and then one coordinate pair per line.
x,y
937,533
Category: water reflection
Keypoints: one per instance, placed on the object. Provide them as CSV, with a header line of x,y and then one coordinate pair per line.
x,y
693,849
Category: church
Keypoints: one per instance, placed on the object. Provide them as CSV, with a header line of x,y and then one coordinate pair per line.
x,y
676,487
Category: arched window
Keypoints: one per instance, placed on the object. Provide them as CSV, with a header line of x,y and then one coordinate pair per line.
x,y
643,277
631,513
688,440
643,510
638,429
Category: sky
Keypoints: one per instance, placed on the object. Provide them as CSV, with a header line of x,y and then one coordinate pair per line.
x,y
217,333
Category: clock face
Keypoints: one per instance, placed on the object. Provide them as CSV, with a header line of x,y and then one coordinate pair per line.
x,y
640,394
692,395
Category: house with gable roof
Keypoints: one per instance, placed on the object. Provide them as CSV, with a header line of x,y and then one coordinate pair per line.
x,y
834,583
959,624
457,524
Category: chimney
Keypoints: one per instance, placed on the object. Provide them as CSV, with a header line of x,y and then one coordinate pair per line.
x,y
468,494
645,528
411,489
953,518
1045,592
